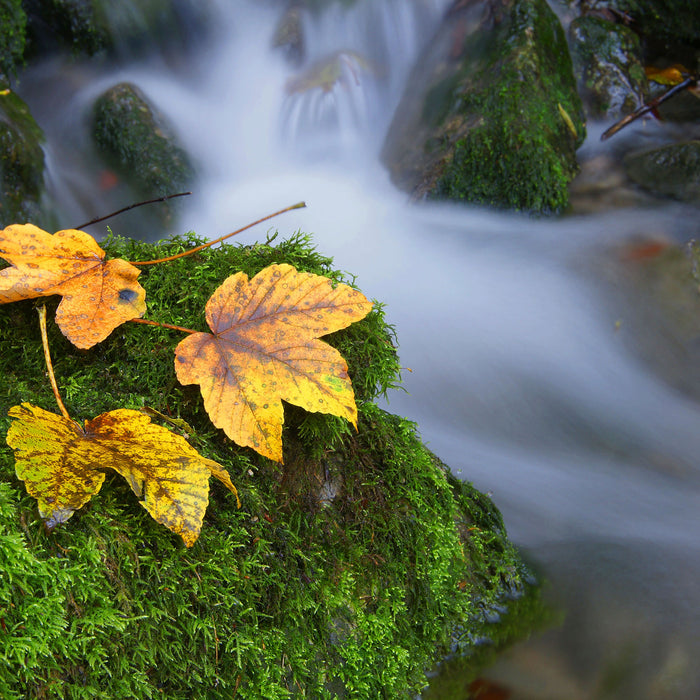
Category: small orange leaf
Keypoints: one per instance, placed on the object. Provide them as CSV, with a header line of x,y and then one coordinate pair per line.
x,y
98,295
63,465
264,348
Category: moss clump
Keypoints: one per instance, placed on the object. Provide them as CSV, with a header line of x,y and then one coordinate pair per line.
x,y
345,573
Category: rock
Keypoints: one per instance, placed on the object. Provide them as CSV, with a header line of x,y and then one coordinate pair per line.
x,y
608,63
138,144
21,161
491,114
670,27
672,170
289,35
345,573
89,27
12,28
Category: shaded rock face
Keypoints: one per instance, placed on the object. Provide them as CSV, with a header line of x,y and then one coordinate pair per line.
x,y
12,35
491,114
137,142
672,170
607,61
88,27
21,163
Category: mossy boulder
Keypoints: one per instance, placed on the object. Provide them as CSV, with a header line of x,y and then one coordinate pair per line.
x,y
491,114
607,60
347,572
136,140
21,161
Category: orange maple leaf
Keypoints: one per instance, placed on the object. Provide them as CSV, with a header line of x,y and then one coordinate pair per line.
x,y
63,465
265,348
98,295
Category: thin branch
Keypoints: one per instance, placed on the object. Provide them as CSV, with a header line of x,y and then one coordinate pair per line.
x,y
49,365
132,206
648,107
146,322
299,205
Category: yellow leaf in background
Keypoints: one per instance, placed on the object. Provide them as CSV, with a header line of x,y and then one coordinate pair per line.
x,y
63,465
98,295
264,348
673,75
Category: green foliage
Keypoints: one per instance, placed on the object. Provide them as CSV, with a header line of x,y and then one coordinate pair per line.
x,y
344,574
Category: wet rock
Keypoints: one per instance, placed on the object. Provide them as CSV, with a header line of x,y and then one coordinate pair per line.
x,y
21,161
491,114
289,35
607,62
138,144
672,170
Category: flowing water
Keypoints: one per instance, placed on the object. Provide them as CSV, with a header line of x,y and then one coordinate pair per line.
x,y
521,377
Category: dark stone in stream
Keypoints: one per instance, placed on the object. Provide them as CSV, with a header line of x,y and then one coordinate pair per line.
x,y
672,170
136,140
491,114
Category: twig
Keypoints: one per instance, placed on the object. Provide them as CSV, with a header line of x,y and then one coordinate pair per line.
x,y
132,206
299,205
648,107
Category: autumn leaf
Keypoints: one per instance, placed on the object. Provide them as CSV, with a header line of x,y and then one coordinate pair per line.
x,y
98,295
63,465
264,348
673,75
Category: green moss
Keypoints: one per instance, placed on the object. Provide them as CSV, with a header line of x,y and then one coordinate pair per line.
x,y
518,151
346,573
13,23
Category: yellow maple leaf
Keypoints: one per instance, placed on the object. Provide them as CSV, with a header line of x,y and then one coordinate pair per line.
x,y
264,348
63,465
98,295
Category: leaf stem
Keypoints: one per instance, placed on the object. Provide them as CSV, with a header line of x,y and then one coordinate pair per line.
x,y
298,205
162,325
132,206
49,364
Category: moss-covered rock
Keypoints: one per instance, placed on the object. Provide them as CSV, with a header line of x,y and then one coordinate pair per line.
x,y
491,114
138,143
21,161
12,35
607,60
347,572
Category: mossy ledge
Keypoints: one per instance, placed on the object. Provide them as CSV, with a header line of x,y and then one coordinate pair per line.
x,y
347,572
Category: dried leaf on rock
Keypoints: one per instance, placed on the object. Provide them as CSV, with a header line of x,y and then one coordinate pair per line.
x,y
264,348
63,465
98,295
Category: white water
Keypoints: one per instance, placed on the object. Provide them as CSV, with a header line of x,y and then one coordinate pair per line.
x,y
519,378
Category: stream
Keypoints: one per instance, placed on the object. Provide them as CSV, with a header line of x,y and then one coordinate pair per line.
x,y
522,347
